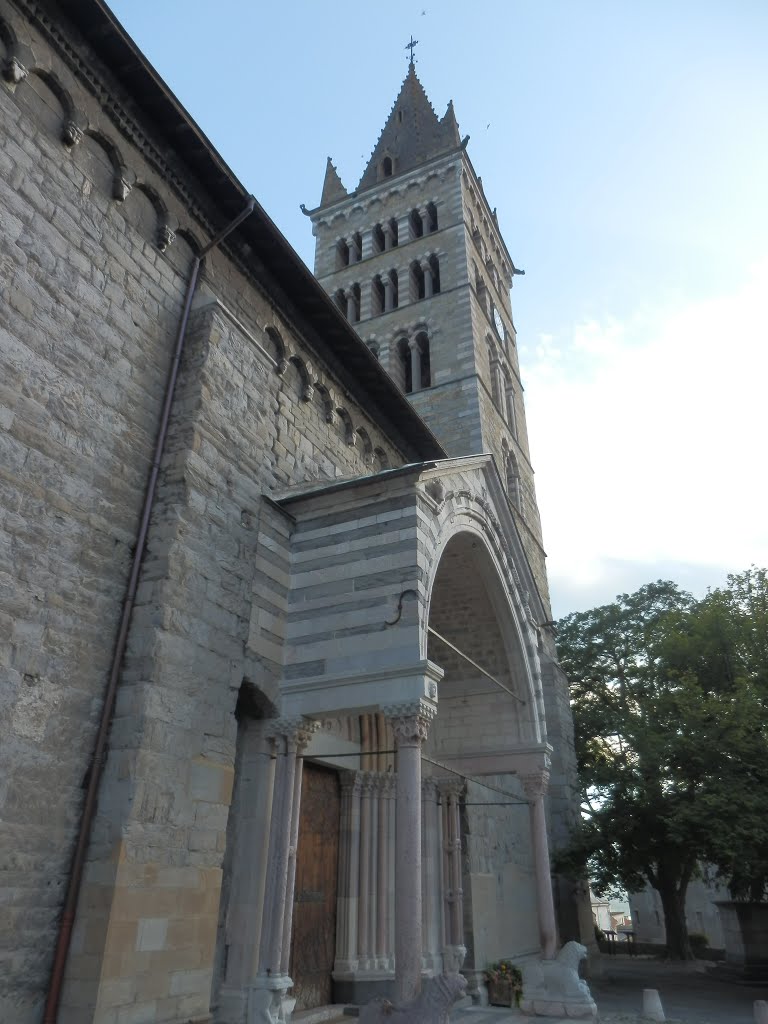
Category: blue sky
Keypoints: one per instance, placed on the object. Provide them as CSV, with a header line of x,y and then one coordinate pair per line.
x,y
625,147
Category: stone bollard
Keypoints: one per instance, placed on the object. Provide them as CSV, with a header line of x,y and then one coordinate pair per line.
x,y
761,1011
652,1008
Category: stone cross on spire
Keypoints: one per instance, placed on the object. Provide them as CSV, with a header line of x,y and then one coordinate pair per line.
x,y
411,46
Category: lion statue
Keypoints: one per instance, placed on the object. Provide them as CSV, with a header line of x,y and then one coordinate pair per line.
x,y
433,1005
553,988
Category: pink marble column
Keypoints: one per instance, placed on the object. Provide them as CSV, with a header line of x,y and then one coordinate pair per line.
x,y
349,873
535,788
297,744
454,950
410,723
382,896
364,911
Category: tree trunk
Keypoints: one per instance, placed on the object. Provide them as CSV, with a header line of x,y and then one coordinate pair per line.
x,y
673,904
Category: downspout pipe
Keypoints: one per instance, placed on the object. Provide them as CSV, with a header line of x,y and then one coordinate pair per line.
x,y
99,756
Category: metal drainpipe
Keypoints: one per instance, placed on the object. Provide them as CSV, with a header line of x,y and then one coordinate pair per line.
x,y
98,759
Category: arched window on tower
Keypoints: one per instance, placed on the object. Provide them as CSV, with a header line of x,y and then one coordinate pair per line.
x,y
416,282
425,367
434,266
377,296
378,239
514,489
481,291
416,224
356,248
387,167
404,359
341,300
394,294
414,359
342,254
509,403
393,232
353,304
495,373
431,217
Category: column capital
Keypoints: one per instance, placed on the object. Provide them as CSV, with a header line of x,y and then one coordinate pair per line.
x,y
535,785
350,782
410,721
452,786
296,730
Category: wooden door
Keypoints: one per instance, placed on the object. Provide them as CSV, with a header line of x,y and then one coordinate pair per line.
x,y
313,942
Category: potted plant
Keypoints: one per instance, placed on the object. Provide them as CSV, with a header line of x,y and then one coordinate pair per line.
x,y
504,981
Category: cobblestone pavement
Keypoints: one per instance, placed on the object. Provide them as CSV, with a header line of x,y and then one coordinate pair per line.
x,y
689,995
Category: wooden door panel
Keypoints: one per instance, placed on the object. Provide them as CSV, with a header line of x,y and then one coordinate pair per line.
x,y
313,942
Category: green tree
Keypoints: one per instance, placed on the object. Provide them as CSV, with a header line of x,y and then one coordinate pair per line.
x,y
670,738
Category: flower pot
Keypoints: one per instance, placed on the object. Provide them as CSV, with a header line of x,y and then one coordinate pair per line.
x,y
500,993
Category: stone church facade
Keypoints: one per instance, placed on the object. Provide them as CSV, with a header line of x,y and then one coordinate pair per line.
x,y
282,722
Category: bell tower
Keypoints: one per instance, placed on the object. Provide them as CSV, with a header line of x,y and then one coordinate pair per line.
x,y
415,259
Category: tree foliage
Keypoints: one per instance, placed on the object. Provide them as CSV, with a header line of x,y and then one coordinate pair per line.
x,y
670,702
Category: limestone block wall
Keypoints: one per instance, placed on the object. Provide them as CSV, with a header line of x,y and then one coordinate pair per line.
x,y
500,913
98,233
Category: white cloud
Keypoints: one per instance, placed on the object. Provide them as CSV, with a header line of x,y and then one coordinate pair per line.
x,y
649,439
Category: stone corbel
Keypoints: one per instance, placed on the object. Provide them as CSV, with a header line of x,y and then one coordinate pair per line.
x,y
14,71
165,236
71,132
281,366
307,393
123,183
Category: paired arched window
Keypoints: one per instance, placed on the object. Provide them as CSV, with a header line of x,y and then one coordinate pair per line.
x,y
340,298
514,488
415,367
424,278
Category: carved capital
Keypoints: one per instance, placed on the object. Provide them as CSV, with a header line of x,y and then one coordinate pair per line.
x,y
14,71
351,783
535,786
296,731
454,787
71,133
282,366
410,721
307,393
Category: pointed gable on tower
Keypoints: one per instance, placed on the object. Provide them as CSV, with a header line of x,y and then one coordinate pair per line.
x,y
412,135
333,187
